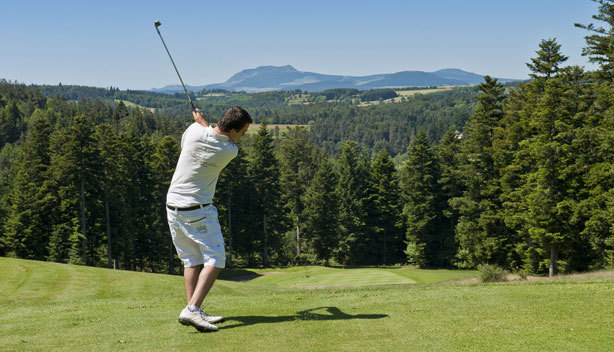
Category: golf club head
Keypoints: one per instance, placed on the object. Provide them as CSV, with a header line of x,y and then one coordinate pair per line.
x,y
157,24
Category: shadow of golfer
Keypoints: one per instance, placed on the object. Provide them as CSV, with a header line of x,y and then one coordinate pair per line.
x,y
333,314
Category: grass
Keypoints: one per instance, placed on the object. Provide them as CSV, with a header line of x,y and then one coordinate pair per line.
x,y
254,127
58,307
322,277
406,93
133,105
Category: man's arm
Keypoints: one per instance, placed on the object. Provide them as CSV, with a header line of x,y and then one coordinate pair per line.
x,y
199,118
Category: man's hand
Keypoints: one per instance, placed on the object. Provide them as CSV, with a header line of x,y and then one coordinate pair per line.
x,y
199,118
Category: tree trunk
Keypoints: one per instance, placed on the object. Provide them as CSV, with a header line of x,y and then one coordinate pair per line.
x,y
298,239
134,257
171,256
250,245
385,249
554,257
83,227
265,243
229,232
108,220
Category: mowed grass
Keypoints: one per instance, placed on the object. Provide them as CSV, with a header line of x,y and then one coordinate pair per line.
x,y
57,307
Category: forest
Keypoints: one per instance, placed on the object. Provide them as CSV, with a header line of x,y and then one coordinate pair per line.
x,y
520,176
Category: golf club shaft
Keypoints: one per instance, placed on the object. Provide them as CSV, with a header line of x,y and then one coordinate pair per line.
x,y
173,62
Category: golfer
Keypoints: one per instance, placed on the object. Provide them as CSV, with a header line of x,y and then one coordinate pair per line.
x,y
192,219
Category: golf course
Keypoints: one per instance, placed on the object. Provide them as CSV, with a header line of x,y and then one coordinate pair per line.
x,y
58,307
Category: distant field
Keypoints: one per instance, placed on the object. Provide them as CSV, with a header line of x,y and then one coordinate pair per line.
x,y
406,93
132,105
59,307
254,127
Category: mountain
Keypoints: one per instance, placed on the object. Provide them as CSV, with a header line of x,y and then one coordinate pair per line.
x,y
271,78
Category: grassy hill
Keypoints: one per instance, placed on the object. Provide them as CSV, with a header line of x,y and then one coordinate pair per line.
x,y
57,307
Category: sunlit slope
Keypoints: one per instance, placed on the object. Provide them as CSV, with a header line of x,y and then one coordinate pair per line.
x,y
57,307
355,277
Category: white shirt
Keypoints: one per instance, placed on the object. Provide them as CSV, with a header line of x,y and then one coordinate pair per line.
x,y
204,154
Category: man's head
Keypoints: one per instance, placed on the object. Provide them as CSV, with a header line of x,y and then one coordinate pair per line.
x,y
235,122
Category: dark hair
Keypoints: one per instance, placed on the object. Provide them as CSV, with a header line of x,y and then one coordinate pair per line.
x,y
234,119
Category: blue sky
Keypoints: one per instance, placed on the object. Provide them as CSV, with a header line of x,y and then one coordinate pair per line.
x,y
114,43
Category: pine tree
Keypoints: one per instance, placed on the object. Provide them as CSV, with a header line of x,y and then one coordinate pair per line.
x,y
264,174
162,166
74,178
352,191
297,168
232,198
451,187
9,157
553,186
10,124
548,60
421,193
387,209
540,177
481,231
63,180
28,224
600,44
596,138
321,212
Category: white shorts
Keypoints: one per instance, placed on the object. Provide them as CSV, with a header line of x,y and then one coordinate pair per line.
x,y
197,236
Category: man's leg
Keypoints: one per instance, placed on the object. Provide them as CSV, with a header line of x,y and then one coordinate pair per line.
x,y
205,281
190,275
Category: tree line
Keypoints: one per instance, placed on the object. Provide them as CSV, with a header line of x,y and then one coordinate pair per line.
x,y
525,184
391,126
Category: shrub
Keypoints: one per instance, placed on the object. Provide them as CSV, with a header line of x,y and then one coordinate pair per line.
x,y
492,273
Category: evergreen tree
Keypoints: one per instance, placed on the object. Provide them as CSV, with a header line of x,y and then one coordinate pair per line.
x,y
547,186
28,224
297,168
387,209
537,174
481,232
232,198
10,124
596,138
74,178
352,191
421,194
600,44
548,60
9,157
451,187
162,165
321,212
119,113
264,174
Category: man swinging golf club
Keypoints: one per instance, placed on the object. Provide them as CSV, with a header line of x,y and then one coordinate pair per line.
x,y
192,218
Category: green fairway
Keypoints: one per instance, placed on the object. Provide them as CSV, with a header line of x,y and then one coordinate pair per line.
x,y
321,277
58,307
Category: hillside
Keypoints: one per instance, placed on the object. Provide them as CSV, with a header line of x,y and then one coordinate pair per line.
x,y
274,78
58,307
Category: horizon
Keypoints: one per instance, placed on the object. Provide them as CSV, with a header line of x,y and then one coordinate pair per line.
x,y
115,44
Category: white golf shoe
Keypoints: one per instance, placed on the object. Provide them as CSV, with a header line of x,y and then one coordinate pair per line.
x,y
211,318
195,318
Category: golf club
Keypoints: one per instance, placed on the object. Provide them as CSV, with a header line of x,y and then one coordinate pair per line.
x,y
158,24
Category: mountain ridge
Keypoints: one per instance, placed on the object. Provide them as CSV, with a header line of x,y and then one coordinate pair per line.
x,y
272,78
